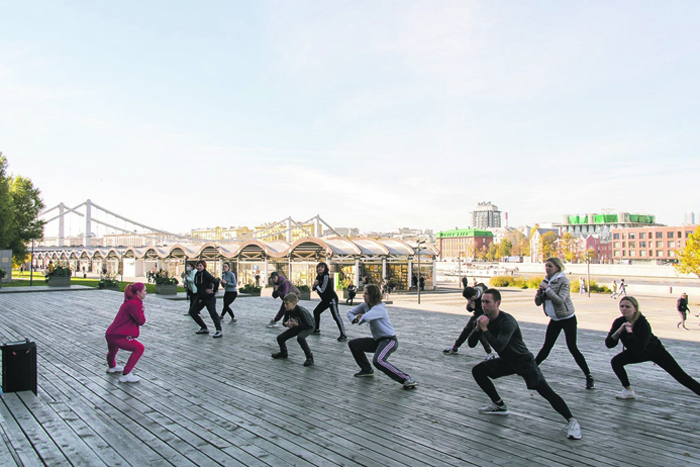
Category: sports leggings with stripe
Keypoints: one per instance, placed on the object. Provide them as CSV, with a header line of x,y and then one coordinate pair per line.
x,y
382,348
335,313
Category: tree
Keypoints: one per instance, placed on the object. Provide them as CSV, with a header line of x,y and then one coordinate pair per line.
x,y
569,247
548,245
519,243
505,247
689,258
20,204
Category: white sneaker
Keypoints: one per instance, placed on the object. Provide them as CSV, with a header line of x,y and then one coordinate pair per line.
x,y
490,356
115,369
129,378
626,394
273,324
574,430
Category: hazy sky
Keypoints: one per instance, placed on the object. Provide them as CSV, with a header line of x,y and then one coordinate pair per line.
x,y
373,114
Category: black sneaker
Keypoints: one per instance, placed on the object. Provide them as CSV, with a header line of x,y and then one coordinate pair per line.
x,y
309,360
342,338
363,373
590,382
203,331
317,332
279,355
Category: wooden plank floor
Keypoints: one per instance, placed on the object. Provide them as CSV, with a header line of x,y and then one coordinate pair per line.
x,y
204,401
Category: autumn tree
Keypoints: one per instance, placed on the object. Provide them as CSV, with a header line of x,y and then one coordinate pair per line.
x,y
569,247
689,257
548,245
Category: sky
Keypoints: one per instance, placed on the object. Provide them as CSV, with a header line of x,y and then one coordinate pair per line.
x,y
372,114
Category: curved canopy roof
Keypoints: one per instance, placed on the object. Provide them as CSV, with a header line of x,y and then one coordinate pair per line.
x,y
309,248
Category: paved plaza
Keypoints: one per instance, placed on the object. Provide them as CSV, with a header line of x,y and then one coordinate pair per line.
x,y
204,401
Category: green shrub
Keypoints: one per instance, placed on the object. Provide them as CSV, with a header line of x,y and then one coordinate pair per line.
x,y
304,288
501,281
251,289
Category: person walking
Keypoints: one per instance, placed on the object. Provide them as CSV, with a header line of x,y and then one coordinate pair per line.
x,y
228,280
323,285
207,285
352,291
503,333
682,307
122,333
383,341
613,289
640,345
554,297
622,289
581,286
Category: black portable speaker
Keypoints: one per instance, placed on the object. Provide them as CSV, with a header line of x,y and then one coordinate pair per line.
x,y
19,366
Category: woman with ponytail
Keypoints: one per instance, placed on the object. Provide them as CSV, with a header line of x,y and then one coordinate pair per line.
x,y
124,330
640,345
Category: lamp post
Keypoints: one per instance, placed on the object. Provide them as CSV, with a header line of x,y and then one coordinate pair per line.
x,y
418,283
31,267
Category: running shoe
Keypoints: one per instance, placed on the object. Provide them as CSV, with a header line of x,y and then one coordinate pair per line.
x,y
409,383
272,324
203,331
490,356
217,335
574,430
362,373
590,382
450,351
115,369
309,360
626,394
493,409
129,378
279,355
342,338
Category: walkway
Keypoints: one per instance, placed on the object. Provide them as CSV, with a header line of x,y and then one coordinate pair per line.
x,y
204,401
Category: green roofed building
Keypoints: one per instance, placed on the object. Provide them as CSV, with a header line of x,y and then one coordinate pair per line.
x,y
603,224
462,243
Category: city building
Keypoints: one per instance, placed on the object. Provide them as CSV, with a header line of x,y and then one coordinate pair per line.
x,y
462,243
644,245
348,231
690,218
486,215
603,224
599,251
220,233
129,239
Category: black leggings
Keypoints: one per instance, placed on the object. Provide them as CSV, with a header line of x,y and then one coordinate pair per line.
x,y
335,313
301,334
464,335
210,303
484,371
663,359
554,328
229,297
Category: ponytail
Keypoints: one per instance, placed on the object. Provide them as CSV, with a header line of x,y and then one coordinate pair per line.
x,y
132,289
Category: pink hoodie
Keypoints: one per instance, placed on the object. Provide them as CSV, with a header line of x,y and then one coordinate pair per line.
x,y
128,319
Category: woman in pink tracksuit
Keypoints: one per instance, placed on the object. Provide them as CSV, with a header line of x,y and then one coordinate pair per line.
x,y
124,330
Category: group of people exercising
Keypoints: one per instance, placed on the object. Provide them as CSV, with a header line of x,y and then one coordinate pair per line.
x,y
497,330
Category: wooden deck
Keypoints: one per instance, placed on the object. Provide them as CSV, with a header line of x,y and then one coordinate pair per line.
x,y
204,401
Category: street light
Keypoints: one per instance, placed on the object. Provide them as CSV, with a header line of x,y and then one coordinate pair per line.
x,y
418,283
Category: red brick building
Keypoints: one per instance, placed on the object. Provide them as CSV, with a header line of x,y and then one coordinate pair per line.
x,y
649,244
